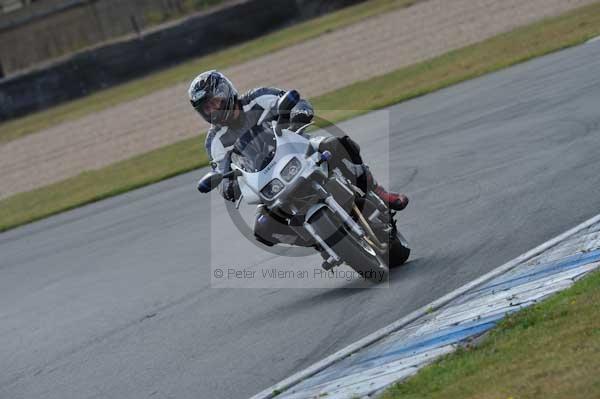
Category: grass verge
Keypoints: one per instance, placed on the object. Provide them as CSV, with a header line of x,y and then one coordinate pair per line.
x,y
466,63
102,183
550,350
16,128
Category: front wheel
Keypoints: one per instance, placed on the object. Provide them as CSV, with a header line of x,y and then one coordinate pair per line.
x,y
353,250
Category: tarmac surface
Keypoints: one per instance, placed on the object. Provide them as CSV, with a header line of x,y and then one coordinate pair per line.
x,y
116,299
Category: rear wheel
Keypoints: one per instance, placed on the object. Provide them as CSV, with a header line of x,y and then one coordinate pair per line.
x,y
397,254
353,250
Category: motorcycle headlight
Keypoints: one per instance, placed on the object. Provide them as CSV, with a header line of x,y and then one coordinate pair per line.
x,y
273,188
291,169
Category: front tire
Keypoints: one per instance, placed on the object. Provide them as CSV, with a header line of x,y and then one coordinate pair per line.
x,y
358,255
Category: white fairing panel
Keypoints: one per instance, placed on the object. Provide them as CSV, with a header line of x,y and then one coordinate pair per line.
x,y
289,145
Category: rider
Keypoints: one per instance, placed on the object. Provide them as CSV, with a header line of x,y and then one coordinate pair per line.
x,y
214,97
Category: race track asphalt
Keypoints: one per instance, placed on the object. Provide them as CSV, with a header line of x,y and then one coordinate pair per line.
x,y
114,300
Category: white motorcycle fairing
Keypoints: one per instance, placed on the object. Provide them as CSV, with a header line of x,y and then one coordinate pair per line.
x,y
290,145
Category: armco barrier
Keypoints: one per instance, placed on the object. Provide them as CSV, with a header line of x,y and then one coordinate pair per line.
x,y
105,66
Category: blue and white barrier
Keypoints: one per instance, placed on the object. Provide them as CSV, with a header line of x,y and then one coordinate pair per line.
x,y
397,351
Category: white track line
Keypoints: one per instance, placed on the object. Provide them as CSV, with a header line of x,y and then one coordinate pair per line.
x,y
383,332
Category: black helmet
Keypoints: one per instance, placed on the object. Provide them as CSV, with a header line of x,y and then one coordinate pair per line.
x,y
209,85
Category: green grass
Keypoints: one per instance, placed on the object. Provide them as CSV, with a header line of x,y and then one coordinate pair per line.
x,y
490,55
98,101
550,350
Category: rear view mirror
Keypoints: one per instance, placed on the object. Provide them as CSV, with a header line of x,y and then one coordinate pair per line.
x,y
209,182
288,101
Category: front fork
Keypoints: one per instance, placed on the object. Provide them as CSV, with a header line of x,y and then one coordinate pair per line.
x,y
334,259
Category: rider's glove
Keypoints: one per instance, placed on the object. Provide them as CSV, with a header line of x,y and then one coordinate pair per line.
x,y
300,117
231,190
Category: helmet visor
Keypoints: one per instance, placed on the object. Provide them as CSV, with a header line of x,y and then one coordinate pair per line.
x,y
214,100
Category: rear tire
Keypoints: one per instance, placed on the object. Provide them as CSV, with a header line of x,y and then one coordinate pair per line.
x,y
348,247
397,254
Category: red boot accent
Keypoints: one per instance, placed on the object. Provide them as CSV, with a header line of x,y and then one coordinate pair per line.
x,y
395,201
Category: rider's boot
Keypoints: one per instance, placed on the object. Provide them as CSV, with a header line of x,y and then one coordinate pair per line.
x,y
396,201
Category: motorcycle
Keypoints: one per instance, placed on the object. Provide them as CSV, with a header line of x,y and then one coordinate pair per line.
x,y
284,170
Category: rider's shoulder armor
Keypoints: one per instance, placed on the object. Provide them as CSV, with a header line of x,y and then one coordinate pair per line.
x,y
260,98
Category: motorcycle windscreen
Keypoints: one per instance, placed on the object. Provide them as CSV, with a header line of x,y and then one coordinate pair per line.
x,y
255,149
